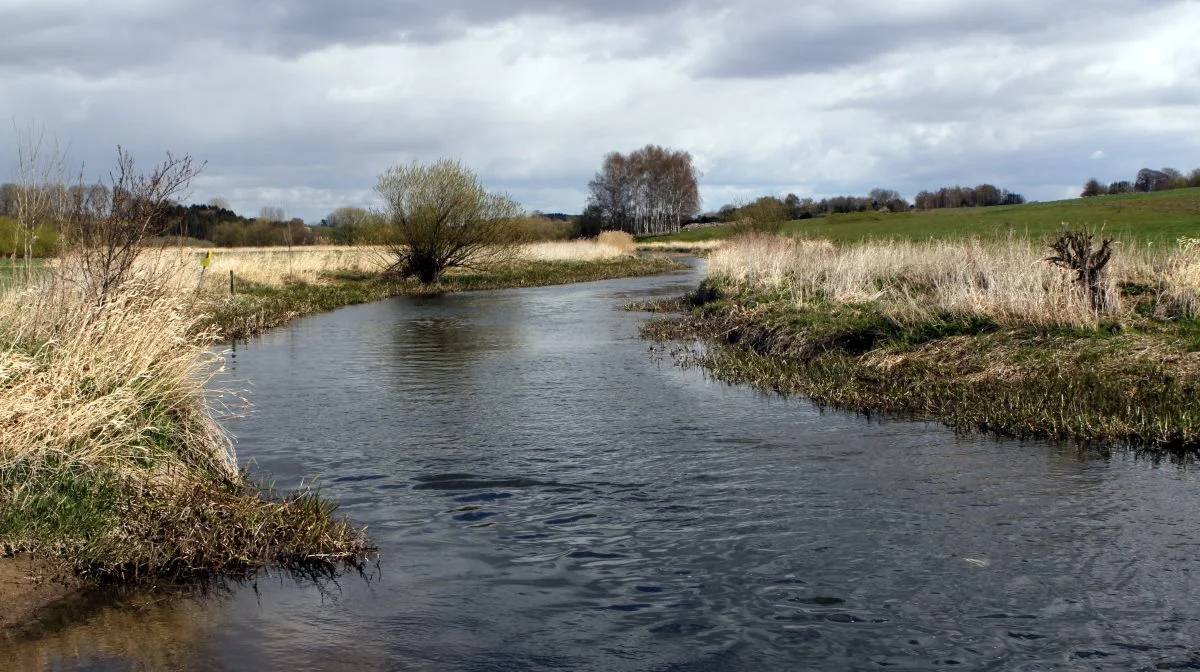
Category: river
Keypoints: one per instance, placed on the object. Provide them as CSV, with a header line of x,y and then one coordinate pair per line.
x,y
549,494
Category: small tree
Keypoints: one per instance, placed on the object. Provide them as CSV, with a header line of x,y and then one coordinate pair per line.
x,y
41,195
1073,250
106,229
442,217
763,215
1092,188
1149,179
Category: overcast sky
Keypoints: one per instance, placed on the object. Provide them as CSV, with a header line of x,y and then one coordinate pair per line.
x,y
301,103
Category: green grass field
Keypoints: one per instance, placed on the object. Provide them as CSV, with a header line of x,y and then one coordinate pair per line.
x,y
10,269
1158,217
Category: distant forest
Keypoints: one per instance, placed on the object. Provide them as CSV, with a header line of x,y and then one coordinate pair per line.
x,y
650,190
1146,180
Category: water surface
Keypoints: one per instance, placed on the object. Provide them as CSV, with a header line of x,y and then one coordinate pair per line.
x,y
548,494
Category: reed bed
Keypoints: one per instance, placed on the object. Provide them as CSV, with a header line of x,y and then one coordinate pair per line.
x,y
274,266
1007,280
106,384
607,246
980,335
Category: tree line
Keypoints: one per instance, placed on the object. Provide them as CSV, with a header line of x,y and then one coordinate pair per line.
x,y
213,222
1146,180
792,207
652,190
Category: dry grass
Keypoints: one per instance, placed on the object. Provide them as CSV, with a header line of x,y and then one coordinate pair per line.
x,y
618,239
105,385
111,459
274,266
608,245
683,246
1007,280
984,336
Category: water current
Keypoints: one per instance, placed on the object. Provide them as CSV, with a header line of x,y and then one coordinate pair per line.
x,y
549,494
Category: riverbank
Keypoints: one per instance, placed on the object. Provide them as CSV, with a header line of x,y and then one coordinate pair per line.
x,y
258,306
27,585
978,336
113,467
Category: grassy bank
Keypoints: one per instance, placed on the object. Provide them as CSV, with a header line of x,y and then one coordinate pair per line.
x,y
979,335
113,465
111,462
1159,218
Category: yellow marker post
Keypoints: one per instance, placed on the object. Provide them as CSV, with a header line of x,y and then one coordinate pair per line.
x,y
204,262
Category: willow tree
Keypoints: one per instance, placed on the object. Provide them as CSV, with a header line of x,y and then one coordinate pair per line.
x,y
441,217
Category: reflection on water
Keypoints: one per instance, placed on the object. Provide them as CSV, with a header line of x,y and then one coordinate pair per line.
x,y
547,494
138,631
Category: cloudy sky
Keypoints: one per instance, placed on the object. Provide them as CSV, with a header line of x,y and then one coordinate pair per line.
x,y
301,103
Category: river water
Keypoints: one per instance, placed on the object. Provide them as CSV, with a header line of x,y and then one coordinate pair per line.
x,y
548,494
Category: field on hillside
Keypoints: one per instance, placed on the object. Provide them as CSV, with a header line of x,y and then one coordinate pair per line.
x,y
1155,217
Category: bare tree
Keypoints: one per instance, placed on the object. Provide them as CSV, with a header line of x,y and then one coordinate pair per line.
x,y
40,195
276,214
442,217
653,190
219,202
272,213
105,230
1073,250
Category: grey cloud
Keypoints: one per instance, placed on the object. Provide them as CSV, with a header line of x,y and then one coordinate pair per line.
x,y
765,40
215,79
95,40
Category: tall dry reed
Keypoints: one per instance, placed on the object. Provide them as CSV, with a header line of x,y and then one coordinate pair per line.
x,y
120,384
608,245
1008,280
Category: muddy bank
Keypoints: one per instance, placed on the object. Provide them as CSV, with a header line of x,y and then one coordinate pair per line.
x,y
28,584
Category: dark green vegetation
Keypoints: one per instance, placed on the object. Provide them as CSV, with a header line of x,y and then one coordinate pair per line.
x,y
13,239
1134,385
105,527
260,307
1157,217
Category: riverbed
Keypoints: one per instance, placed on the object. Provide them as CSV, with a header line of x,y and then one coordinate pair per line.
x,y
548,493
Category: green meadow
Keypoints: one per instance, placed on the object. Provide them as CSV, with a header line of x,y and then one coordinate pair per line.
x,y
1153,217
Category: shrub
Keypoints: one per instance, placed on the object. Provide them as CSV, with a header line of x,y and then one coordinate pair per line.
x,y
617,239
443,217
